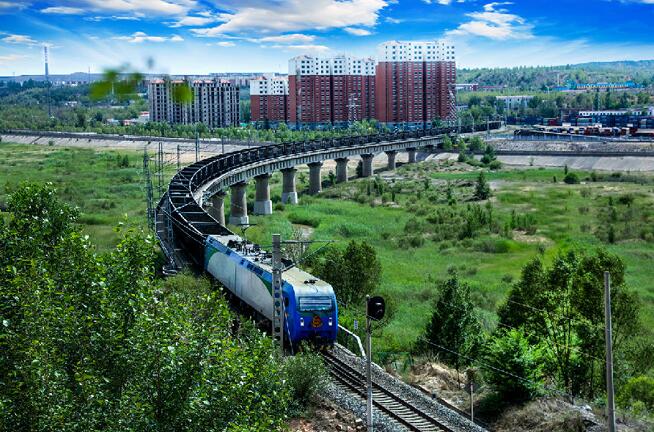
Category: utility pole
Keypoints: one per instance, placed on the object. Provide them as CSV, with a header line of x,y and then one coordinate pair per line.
x,y
610,404
368,370
148,187
197,144
375,310
179,165
278,300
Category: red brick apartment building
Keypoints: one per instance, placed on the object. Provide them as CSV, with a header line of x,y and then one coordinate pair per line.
x,y
269,99
330,91
415,82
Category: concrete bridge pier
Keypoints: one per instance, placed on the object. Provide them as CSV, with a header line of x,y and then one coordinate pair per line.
x,y
341,170
217,207
289,192
366,164
262,203
315,179
391,159
238,212
412,155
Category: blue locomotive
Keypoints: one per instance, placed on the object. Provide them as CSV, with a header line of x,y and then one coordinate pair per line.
x,y
311,311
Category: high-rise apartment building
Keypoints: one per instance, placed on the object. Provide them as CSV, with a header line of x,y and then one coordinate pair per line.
x,y
330,91
215,102
269,99
415,82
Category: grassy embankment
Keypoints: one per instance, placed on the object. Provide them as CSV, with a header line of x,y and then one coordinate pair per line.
x,y
95,181
564,216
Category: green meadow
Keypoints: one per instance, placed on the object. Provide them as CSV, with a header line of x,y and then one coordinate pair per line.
x,y
394,212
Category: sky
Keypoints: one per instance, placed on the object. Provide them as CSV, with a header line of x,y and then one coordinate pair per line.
x,y
209,36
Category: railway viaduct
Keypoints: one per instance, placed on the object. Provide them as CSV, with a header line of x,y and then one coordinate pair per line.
x,y
194,205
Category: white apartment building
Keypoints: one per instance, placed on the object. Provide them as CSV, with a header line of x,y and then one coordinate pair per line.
x,y
416,51
327,66
514,103
269,85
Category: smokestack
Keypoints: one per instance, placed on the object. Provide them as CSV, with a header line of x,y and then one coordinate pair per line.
x,y
45,56
47,79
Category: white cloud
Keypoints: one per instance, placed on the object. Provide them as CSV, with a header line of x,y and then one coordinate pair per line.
x,y
113,18
357,31
442,2
12,6
140,37
193,21
7,59
63,10
392,20
305,48
295,15
294,38
225,44
494,23
19,40
140,7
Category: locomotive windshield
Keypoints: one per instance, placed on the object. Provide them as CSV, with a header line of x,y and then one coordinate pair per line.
x,y
307,304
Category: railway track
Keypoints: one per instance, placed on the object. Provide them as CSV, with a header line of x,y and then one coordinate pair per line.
x,y
402,411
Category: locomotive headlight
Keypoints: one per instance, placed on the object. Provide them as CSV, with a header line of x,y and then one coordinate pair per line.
x,y
331,321
301,322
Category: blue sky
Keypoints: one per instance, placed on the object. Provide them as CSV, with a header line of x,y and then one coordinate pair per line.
x,y
203,36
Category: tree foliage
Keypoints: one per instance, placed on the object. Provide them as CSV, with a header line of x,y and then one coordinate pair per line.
x,y
454,325
482,188
96,342
354,272
514,367
562,307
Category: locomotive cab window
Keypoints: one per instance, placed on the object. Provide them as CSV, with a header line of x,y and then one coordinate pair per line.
x,y
310,304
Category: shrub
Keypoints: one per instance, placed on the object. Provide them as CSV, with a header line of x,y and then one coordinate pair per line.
x,y
493,245
626,199
495,165
511,352
571,178
482,188
412,241
637,390
306,377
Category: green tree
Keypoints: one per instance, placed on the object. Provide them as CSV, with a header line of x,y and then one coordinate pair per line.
x,y
571,178
354,272
482,188
454,325
511,352
447,143
96,342
476,143
562,308
637,393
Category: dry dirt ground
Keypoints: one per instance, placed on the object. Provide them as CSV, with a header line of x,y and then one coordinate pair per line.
x,y
328,417
547,414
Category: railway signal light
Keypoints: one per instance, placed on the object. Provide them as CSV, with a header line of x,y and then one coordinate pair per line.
x,y
375,308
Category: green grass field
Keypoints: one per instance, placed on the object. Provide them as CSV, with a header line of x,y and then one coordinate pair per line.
x,y
104,192
564,216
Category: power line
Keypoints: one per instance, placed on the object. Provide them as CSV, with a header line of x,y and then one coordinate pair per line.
x,y
496,369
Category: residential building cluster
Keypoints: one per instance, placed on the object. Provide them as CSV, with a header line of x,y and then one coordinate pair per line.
x,y
413,83
215,102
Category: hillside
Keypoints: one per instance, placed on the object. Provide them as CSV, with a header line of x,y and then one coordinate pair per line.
x,y
536,78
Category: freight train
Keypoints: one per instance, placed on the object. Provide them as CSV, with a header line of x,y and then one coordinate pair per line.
x,y
187,233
